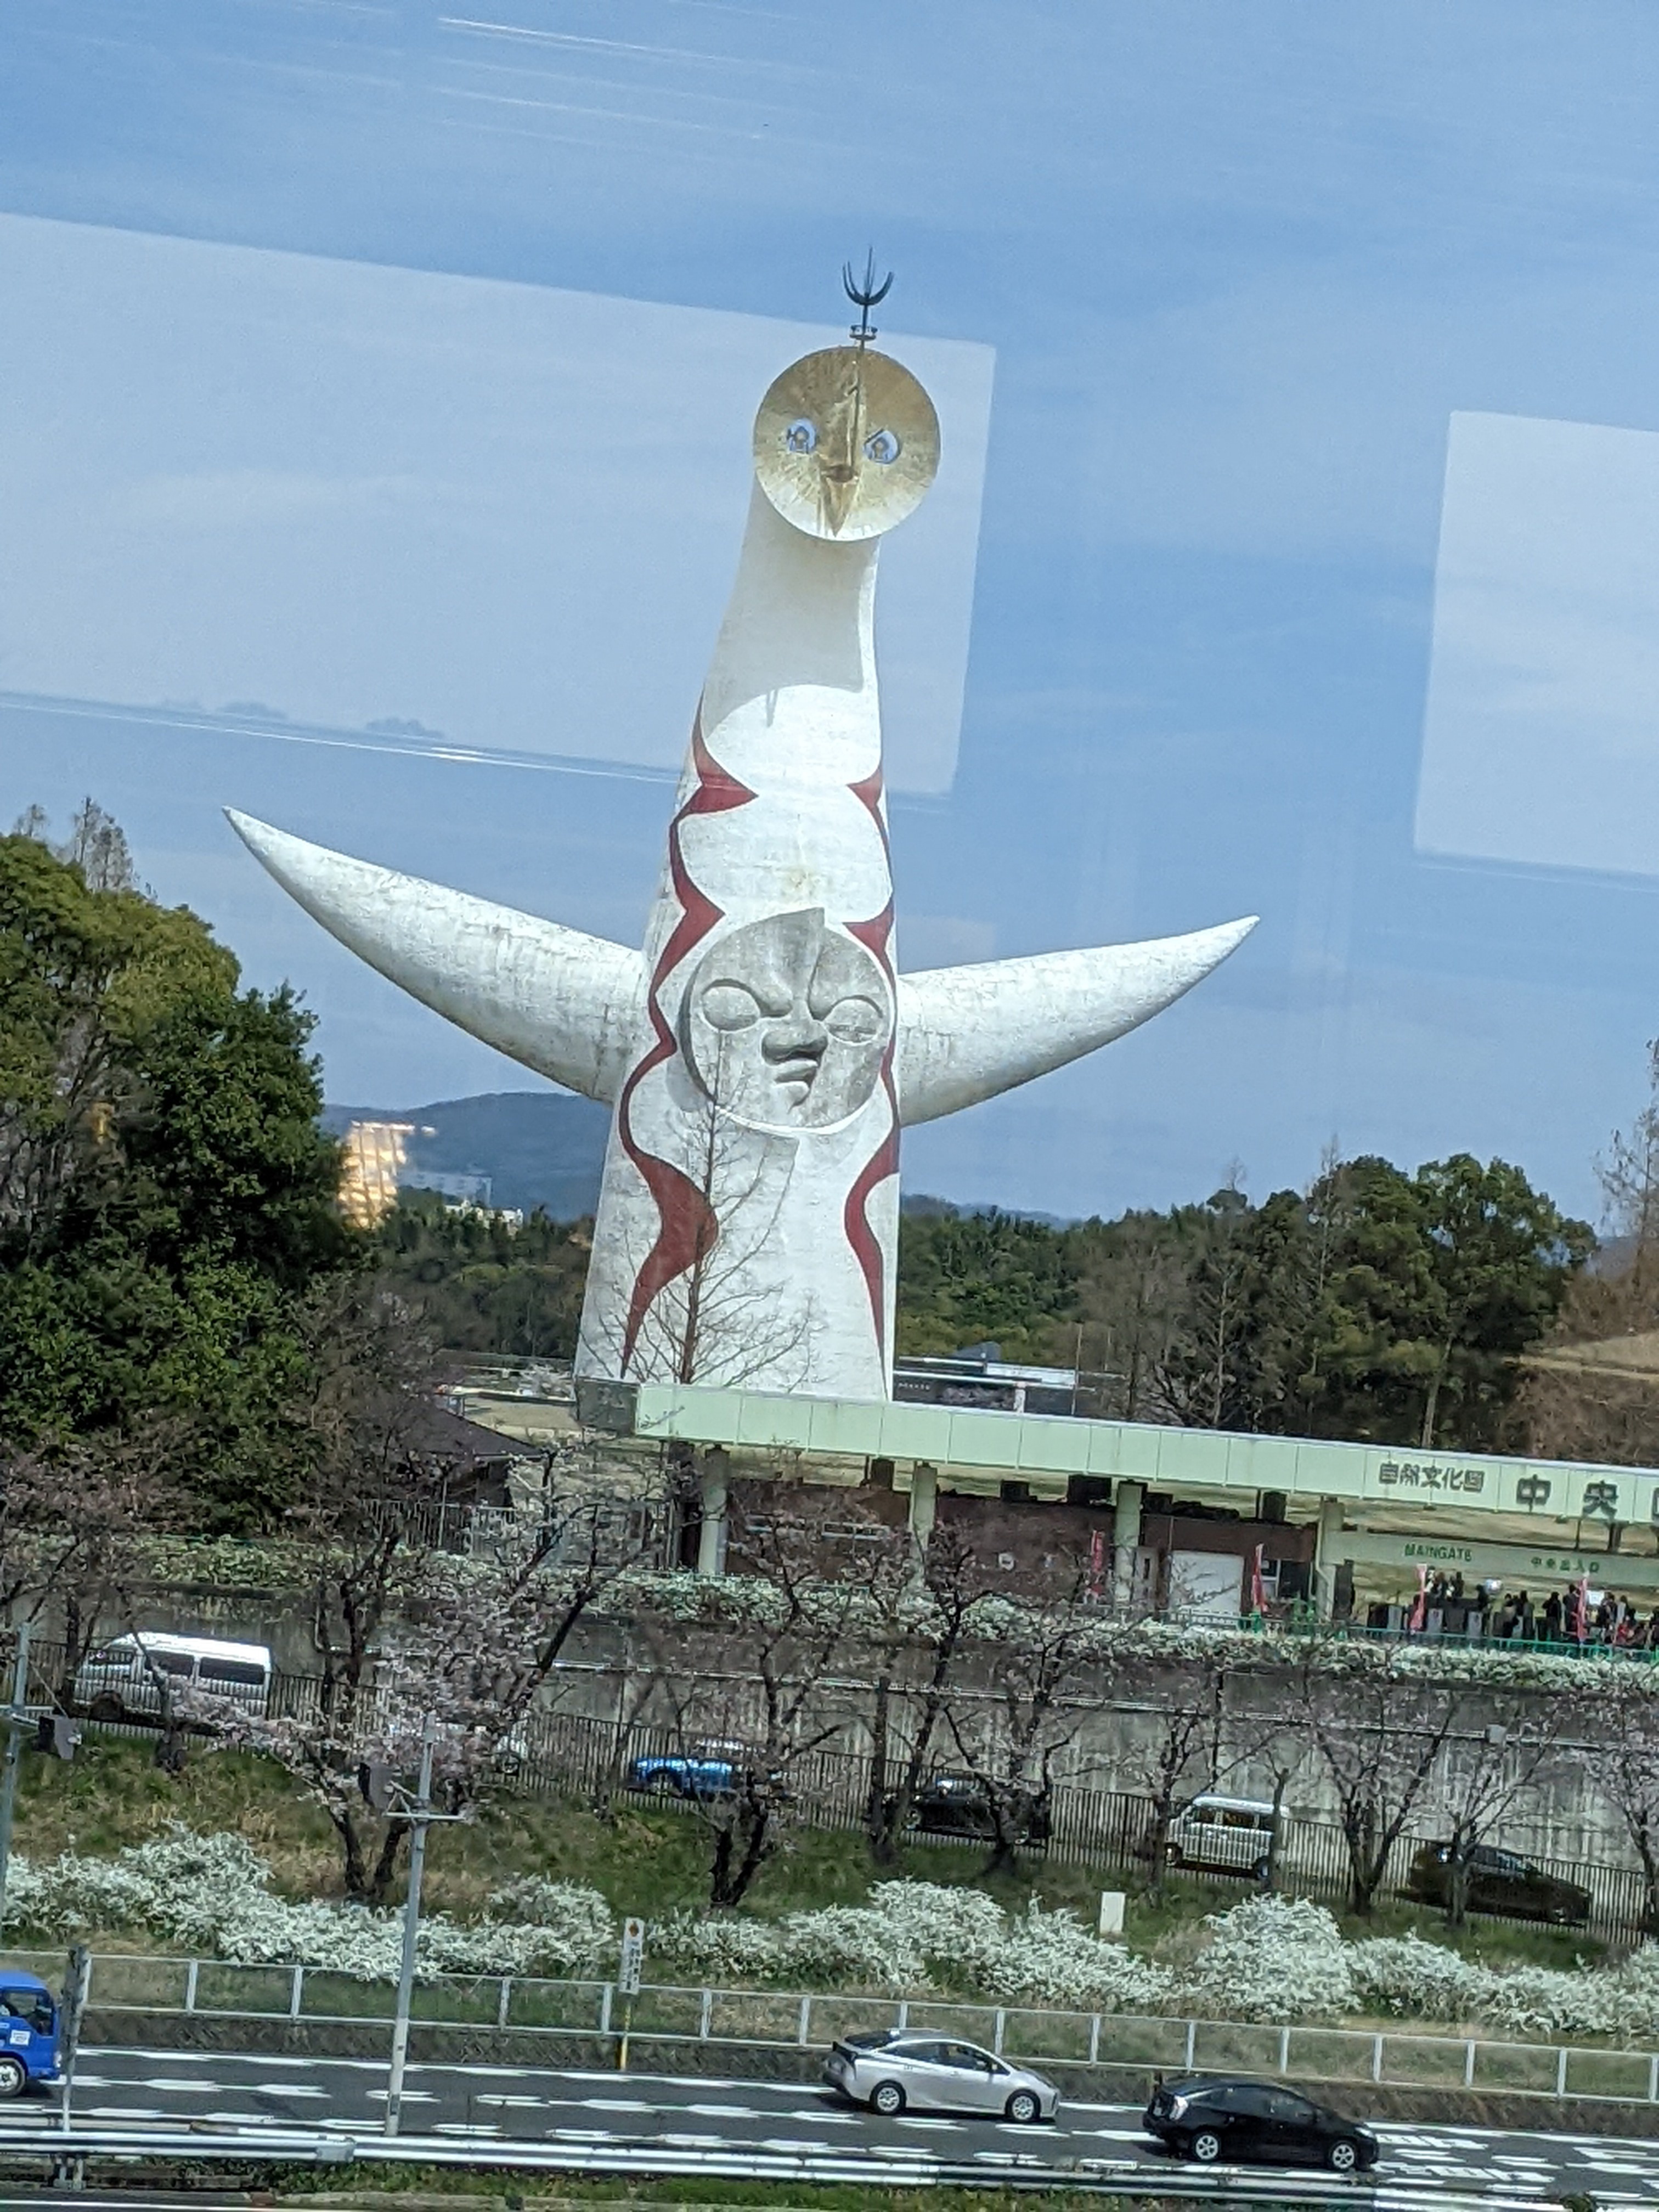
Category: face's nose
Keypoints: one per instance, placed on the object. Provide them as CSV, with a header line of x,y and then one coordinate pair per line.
x,y
838,457
799,1036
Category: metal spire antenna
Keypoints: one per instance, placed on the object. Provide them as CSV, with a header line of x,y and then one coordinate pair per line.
x,y
864,297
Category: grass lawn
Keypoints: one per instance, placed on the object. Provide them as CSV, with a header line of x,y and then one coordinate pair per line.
x,y
649,1859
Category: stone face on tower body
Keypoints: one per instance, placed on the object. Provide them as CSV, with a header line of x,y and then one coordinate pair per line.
x,y
762,1053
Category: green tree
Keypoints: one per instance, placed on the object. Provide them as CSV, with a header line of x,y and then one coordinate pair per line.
x,y
1444,1279
481,1283
984,1278
165,1192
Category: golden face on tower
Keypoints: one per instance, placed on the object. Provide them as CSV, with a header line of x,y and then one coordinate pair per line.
x,y
845,443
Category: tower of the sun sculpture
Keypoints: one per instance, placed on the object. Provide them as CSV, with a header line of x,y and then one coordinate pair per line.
x,y
762,1053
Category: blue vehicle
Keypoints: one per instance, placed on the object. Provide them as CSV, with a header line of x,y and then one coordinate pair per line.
x,y
705,1771
28,2032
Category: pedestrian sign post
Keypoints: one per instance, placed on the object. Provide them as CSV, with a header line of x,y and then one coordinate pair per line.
x,y
628,1968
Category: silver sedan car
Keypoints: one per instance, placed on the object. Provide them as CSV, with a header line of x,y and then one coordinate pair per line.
x,y
894,2067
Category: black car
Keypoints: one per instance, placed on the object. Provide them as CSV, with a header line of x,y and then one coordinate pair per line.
x,y
1500,1882
1228,2121
950,1804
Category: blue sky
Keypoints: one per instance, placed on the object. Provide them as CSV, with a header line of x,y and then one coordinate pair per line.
x,y
1239,266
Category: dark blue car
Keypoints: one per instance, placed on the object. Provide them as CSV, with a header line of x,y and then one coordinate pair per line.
x,y
28,2032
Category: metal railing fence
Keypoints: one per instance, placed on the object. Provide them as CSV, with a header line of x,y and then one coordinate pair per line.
x,y
804,2020
553,1754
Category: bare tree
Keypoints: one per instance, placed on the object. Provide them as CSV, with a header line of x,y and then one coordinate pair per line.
x,y
1483,1773
1588,1393
1044,1658
1179,1746
764,1714
1378,1730
718,1320
1621,1758
74,1518
405,1627
927,1621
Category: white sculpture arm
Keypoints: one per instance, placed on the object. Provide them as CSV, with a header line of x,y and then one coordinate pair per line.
x,y
965,1034
556,1000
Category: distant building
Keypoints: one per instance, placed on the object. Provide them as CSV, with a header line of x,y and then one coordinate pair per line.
x,y
377,1166
980,1376
373,1154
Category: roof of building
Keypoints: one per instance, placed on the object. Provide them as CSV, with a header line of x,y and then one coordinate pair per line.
x,y
976,1440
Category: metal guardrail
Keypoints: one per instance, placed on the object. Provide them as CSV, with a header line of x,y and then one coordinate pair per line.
x,y
69,2151
781,2019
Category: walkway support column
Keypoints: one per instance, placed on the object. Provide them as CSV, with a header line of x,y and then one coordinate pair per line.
x,y
711,1530
1327,1554
1126,1501
924,1501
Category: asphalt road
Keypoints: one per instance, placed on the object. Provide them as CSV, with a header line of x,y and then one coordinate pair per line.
x,y
503,2103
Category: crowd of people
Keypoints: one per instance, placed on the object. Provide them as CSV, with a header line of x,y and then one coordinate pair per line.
x,y
1574,1614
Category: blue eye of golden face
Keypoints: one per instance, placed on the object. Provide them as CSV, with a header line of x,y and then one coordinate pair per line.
x,y
882,446
801,437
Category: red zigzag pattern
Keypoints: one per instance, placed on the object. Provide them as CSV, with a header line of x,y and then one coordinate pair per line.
x,y
687,1227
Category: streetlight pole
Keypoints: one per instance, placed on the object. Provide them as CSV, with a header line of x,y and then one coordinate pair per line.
x,y
16,1721
420,1816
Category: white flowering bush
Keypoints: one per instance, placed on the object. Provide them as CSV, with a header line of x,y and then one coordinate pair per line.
x,y
1051,1958
1272,1958
909,1935
1404,1975
574,1925
716,1947
211,1895
1267,1959
949,1926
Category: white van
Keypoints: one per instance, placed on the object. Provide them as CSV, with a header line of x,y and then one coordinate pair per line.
x,y
1233,1834
118,1681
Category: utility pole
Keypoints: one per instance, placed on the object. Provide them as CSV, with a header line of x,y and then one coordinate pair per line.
x,y
380,1791
16,1721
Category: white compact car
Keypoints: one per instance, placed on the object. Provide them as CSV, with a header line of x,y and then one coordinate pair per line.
x,y
893,2068
1232,1835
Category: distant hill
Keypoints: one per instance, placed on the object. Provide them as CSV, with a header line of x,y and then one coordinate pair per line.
x,y
927,1207
542,1148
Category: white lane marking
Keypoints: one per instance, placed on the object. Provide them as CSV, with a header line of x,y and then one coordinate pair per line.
x,y
621,2104
720,2111
286,2089
410,2097
685,2142
461,2128
126,2112
827,2119
953,2125
533,2104
791,2142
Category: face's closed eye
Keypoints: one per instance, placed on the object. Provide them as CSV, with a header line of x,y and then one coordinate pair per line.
x,y
730,1006
855,1020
